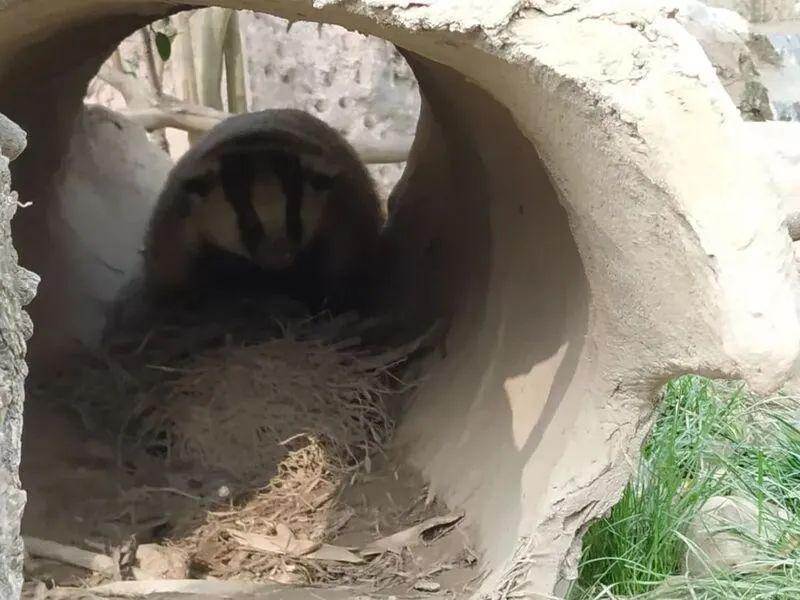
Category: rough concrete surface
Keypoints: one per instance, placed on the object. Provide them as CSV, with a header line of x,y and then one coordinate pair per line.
x,y
726,39
107,181
12,138
778,144
17,288
557,206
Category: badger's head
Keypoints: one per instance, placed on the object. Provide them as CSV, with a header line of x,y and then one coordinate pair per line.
x,y
264,206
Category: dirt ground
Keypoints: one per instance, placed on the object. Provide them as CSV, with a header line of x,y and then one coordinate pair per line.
x,y
224,448
79,495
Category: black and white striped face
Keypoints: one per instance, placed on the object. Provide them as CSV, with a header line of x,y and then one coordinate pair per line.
x,y
262,206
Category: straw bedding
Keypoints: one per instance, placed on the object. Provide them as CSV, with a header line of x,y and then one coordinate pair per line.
x,y
289,410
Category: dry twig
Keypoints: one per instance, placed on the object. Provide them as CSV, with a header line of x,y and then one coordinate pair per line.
x,y
70,555
157,112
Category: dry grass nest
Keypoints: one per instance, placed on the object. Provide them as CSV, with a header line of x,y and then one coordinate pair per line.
x,y
289,411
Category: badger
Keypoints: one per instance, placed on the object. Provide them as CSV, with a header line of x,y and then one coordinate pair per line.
x,y
274,199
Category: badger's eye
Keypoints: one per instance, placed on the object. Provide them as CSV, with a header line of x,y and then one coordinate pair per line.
x,y
320,182
200,185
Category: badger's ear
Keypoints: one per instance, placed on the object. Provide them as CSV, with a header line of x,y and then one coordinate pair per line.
x,y
191,192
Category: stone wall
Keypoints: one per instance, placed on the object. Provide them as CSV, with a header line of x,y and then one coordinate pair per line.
x,y
356,83
17,288
557,205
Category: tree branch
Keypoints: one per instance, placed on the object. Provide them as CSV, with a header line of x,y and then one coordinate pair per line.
x,y
155,113
179,115
150,57
232,52
155,81
70,555
136,94
199,119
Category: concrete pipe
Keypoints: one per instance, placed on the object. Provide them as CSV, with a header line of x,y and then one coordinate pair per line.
x,y
580,201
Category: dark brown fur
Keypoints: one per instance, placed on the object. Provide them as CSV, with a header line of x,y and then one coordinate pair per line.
x,y
338,265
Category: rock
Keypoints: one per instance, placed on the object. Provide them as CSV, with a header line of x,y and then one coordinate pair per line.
x,y
727,41
12,138
426,585
726,533
762,50
754,103
154,561
109,181
17,287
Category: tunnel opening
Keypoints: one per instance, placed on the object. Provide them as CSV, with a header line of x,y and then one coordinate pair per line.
x,y
243,399
240,398
473,228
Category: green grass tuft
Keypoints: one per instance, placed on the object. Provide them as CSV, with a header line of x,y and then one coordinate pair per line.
x,y
710,439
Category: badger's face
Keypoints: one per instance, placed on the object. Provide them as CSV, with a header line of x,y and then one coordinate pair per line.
x,y
290,218
267,214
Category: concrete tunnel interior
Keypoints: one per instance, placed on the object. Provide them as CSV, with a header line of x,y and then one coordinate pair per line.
x,y
476,234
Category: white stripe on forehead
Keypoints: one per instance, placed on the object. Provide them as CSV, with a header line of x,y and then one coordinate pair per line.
x,y
269,202
312,211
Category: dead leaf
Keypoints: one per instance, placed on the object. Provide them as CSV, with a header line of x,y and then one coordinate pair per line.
x,y
283,542
426,585
409,537
160,562
335,554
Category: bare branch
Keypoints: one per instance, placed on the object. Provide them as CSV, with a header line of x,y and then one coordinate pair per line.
x,y
161,64
137,95
154,113
70,555
234,66
150,56
179,115
155,81
134,92
199,119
